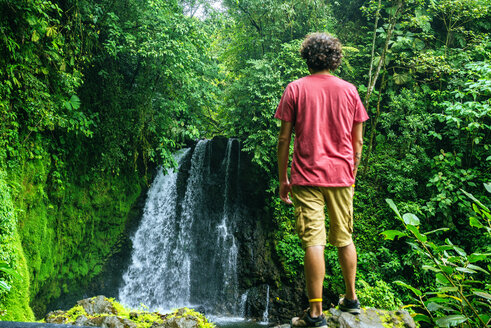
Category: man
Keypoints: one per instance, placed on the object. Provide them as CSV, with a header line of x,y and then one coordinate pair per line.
x,y
327,115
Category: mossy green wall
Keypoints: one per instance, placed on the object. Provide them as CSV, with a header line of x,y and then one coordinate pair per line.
x,y
64,231
14,305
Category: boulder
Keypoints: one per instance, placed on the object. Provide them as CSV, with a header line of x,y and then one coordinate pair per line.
x,y
184,322
102,312
112,322
56,317
97,305
368,318
82,320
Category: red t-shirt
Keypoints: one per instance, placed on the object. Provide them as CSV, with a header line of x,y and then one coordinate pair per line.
x,y
323,109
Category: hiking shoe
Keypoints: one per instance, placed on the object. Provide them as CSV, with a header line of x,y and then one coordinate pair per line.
x,y
350,306
306,321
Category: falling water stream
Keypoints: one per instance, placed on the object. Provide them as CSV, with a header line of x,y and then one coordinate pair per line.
x,y
185,251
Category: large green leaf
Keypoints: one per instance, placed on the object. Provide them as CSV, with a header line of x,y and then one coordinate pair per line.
x,y
474,222
393,207
451,320
447,289
483,295
75,102
432,268
432,306
465,270
410,218
460,251
417,292
415,231
442,279
476,268
447,269
391,234
422,317
475,257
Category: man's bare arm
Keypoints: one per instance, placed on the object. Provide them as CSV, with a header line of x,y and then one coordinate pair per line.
x,y
357,142
283,156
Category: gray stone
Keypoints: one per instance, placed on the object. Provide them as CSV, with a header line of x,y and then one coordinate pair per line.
x,y
81,321
97,305
369,318
157,325
183,322
55,317
286,325
112,322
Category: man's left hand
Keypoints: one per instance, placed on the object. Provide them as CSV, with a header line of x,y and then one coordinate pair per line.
x,y
285,189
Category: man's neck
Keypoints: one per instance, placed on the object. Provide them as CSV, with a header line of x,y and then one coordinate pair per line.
x,y
323,72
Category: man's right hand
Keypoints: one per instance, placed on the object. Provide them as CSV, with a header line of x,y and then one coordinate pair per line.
x,y
285,189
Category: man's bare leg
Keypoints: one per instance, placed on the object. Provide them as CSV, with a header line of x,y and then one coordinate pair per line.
x,y
348,260
315,271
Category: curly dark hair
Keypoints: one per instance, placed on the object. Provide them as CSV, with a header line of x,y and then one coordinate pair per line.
x,y
321,51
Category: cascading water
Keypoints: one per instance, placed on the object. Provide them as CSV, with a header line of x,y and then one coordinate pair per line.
x,y
266,310
185,251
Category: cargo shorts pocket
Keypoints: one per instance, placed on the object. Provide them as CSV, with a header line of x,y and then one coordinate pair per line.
x,y
299,222
350,224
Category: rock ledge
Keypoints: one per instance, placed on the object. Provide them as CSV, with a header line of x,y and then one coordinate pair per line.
x,y
368,318
100,311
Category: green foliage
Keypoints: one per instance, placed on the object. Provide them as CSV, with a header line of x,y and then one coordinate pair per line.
x,y
67,235
38,82
157,80
462,288
263,27
380,296
288,245
14,279
253,97
95,94
5,268
431,79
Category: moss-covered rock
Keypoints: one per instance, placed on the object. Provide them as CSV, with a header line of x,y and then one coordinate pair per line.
x,y
368,318
58,233
101,311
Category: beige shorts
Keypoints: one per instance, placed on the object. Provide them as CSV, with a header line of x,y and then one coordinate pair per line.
x,y
310,219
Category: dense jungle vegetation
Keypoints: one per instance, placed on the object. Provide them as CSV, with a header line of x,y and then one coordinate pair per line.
x,y
94,94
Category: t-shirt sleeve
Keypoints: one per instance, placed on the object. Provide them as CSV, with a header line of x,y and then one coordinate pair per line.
x,y
360,114
286,107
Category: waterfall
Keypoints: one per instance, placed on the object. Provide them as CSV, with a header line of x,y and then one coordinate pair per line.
x,y
184,251
243,302
266,310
